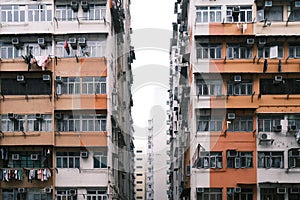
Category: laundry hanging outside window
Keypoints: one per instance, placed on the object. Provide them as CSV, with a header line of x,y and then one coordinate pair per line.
x,y
66,47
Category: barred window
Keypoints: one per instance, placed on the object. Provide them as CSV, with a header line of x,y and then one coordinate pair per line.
x,y
68,159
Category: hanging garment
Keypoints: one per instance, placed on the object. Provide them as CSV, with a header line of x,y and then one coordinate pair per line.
x,y
66,47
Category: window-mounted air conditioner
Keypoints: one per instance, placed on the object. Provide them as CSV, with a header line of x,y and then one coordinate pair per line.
x,y
82,41
265,136
12,116
58,116
72,192
74,6
115,91
236,9
58,79
262,41
292,128
278,78
237,190
250,41
297,4
232,153
46,77
20,78
72,42
48,190
41,41
15,41
277,128
34,156
295,190
237,78
84,154
281,190
21,190
200,190
15,157
85,6
268,3
39,116
231,116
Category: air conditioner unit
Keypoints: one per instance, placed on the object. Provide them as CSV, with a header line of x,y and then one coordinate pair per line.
x,y
85,6
72,192
41,41
58,116
15,157
265,136
281,190
237,190
200,190
81,41
72,42
292,128
236,9
295,190
231,116
74,6
297,4
278,78
48,190
115,91
20,78
58,79
21,190
39,116
84,154
34,156
262,41
15,41
250,41
232,153
46,78
12,116
268,3
278,128
237,78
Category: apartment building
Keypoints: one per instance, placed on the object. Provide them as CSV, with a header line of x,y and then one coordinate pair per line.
x,y
65,105
140,172
234,100
150,163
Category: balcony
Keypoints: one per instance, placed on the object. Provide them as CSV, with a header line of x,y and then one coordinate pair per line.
x,y
82,139
27,138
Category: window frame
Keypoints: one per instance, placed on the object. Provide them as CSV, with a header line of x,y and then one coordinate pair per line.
x,y
36,14
64,9
213,87
13,13
208,51
210,160
66,156
95,9
266,159
213,14
100,157
242,160
235,51
247,10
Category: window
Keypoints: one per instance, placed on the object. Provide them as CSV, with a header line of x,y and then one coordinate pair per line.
x,y
208,51
238,51
208,87
264,51
39,13
205,14
294,51
210,194
84,123
270,193
289,86
270,159
139,182
139,151
13,13
70,85
96,194
208,122
274,13
65,194
94,85
68,159
139,167
96,49
241,124
9,51
139,159
24,159
245,194
244,14
210,160
65,13
16,124
267,123
244,87
294,158
139,197
139,190
100,160
44,124
139,174
96,12
239,159
37,50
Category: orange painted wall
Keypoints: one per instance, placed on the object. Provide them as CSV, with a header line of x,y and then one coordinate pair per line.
x,y
229,29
